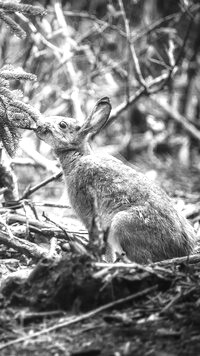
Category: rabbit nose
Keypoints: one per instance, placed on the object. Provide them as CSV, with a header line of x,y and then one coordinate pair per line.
x,y
42,127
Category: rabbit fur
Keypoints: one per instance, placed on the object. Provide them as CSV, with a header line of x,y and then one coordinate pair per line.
x,y
138,215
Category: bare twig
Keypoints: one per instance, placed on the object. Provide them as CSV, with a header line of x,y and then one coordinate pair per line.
x,y
47,229
176,17
173,68
134,37
133,98
57,225
52,205
35,35
76,244
24,246
69,44
18,204
93,18
30,191
171,52
174,114
17,218
3,190
133,267
49,165
53,246
176,299
28,248
132,48
120,108
178,260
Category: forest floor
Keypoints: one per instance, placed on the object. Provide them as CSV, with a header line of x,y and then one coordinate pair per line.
x,y
163,320
142,310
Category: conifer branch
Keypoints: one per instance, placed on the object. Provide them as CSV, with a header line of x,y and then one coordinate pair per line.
x,y
14,114
9,8
17,74
15,28
27,109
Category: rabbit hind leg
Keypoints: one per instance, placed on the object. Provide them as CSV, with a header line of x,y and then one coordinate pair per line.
x,y
128,239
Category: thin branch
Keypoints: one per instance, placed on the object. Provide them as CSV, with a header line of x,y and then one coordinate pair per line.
x,y
141,91
134,37
3,190
173,68
120,108
93,18
73,73
131,46
30,191
52,205
35,35
131,267
26,247
178,260
174,114
47,229
160,22
171,51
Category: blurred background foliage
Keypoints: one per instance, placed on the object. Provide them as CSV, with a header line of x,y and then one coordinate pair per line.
x,y
81,51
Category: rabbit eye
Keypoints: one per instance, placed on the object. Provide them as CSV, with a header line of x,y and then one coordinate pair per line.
x,y
62,125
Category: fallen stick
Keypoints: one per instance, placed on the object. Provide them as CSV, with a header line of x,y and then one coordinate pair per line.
x,y
13,218
178,260
26,247
45,228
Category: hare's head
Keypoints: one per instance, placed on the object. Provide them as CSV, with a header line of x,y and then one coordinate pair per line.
x,y
63,133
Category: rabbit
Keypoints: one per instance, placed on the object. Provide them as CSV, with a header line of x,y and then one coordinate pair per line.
x,y
139,217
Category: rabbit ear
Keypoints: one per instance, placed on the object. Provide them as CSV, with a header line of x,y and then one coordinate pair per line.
x,y
98,117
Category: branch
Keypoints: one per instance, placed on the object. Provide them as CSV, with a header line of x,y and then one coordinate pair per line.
x,y
160,22
131,46
30,191
173,68
24,8
132,99
174,114
47,229
70,44
15,28
178,260
23,246
44,162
